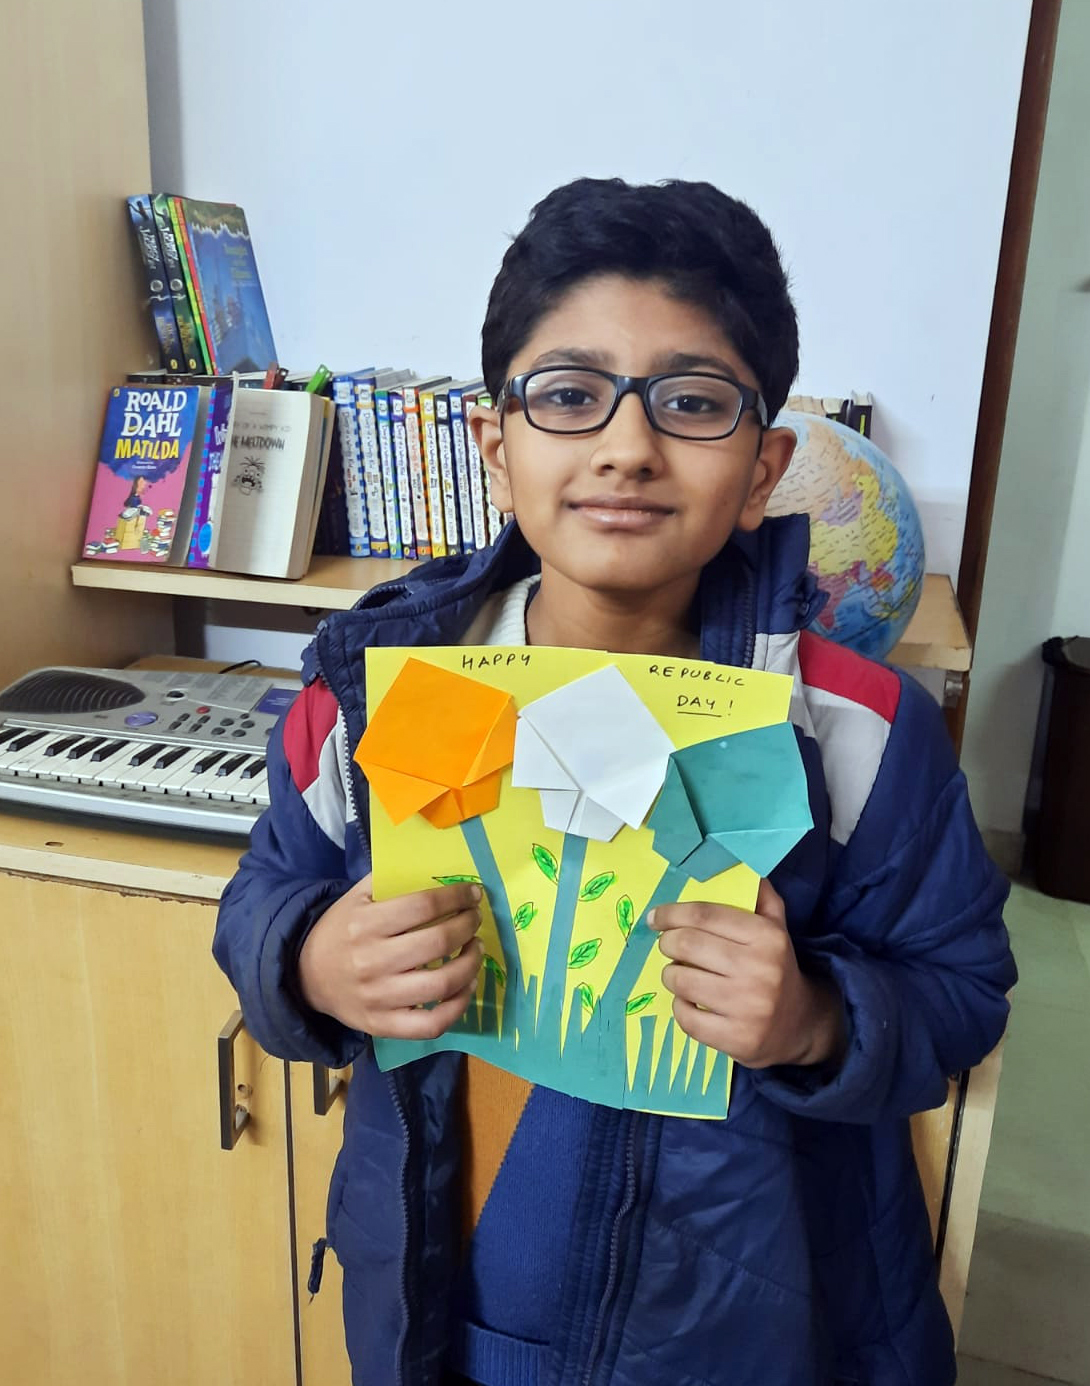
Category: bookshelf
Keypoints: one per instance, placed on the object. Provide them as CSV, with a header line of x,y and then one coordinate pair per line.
x,y
935,639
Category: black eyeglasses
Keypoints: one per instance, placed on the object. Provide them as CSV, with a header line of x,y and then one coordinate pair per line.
x,y
582,399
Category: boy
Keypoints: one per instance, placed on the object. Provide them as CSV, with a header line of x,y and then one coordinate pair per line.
x,y
639,341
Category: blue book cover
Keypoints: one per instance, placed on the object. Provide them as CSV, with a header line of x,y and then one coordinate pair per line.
x,y
159,296
230,289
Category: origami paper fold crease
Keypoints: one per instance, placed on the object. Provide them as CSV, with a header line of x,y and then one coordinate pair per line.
x,y
437,745
737,798
594,752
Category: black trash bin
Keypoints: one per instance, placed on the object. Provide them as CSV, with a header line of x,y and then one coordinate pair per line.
x,y
1062,839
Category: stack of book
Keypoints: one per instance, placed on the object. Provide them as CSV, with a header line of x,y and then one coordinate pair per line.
x,y
411,474
214,473
856,411
405,479
204,293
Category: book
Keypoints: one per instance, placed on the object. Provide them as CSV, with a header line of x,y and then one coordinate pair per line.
x,y
159,299
143,462
192,358
209,490
476,471
181,239
388,470
859,413
351,458
493,518
448,480
275,471
402,480
418,482
221,259
433,480
462,475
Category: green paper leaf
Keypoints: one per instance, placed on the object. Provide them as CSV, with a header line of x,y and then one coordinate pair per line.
x,y
597,886
584,953
495,968
586,995
456,880
639,1003
546,861
524,915
626,914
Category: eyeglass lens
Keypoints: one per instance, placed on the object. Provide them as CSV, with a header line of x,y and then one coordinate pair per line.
x,y
569,400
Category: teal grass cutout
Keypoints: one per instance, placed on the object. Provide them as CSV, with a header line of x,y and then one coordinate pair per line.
x,y
737,798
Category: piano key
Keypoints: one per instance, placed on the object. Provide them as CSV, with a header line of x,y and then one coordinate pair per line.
x,y
186,772
228,767
168,758
33,759
260,790
91,771
147,752
257,768
6,733
62,743
207,761
108,751
14,749
154,777
84,748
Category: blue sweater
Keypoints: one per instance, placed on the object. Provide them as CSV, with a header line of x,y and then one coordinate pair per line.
x,y
788,1243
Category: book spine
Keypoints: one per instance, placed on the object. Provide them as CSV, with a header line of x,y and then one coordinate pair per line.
x,y
493,518
476,478
430,441
446,472
401,470
461,470
185,252
179,296
348,435
388,469
206,517
151,256
417,480
374,499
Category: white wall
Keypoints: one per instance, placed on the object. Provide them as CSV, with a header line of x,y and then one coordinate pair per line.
x,y
1037,580
384,157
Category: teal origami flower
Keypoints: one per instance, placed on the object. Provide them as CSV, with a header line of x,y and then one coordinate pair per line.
x,y
740,798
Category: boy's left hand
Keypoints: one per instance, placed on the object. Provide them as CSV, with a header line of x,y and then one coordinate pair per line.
x,y
738,988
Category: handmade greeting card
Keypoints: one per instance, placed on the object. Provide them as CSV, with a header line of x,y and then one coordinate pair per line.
x,y
581,789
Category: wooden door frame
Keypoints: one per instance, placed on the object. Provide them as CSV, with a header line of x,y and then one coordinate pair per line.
x,y
1003,332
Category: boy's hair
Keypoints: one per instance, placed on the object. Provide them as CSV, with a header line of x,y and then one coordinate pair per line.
x,y
707,248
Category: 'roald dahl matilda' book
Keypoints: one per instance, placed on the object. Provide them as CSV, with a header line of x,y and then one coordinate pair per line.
x,y
147,443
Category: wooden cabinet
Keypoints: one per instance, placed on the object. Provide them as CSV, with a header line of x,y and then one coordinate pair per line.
x,y
139,1250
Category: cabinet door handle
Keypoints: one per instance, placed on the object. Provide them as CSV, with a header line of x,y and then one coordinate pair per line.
x,y
234,1117
325,1090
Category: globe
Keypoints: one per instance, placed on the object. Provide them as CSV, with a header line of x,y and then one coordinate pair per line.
x,y
866,541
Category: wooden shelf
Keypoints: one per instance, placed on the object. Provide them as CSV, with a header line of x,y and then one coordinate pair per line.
x,y
935,638
333,584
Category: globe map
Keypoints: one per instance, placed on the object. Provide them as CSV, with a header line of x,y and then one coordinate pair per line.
x,y
866,541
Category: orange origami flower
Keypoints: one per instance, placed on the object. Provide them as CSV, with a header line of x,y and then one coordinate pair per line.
x,y
437,744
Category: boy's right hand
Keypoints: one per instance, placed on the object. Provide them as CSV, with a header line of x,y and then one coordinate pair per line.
x,y
366,963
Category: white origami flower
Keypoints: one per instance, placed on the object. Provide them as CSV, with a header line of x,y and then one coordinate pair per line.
x,y
594,752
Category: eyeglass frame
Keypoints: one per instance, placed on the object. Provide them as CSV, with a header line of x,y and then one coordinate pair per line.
x,y
515,388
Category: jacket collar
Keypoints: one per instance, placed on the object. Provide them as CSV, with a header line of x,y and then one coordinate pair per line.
x,y
756,584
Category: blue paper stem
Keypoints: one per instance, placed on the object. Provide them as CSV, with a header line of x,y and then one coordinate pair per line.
x,y
492,882
554,979
640,942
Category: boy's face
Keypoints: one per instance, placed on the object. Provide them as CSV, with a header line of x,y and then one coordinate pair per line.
x,y
628,509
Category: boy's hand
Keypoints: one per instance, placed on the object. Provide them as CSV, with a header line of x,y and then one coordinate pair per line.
x,y
737,985
366,963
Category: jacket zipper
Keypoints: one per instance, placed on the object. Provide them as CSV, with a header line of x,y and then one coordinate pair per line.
x,y
392,1082
748,643
623,1213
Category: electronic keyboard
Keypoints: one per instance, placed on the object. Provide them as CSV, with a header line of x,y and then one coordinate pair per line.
x,y
185,749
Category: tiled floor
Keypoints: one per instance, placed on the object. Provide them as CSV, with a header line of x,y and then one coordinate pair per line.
x,y
1027,1315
